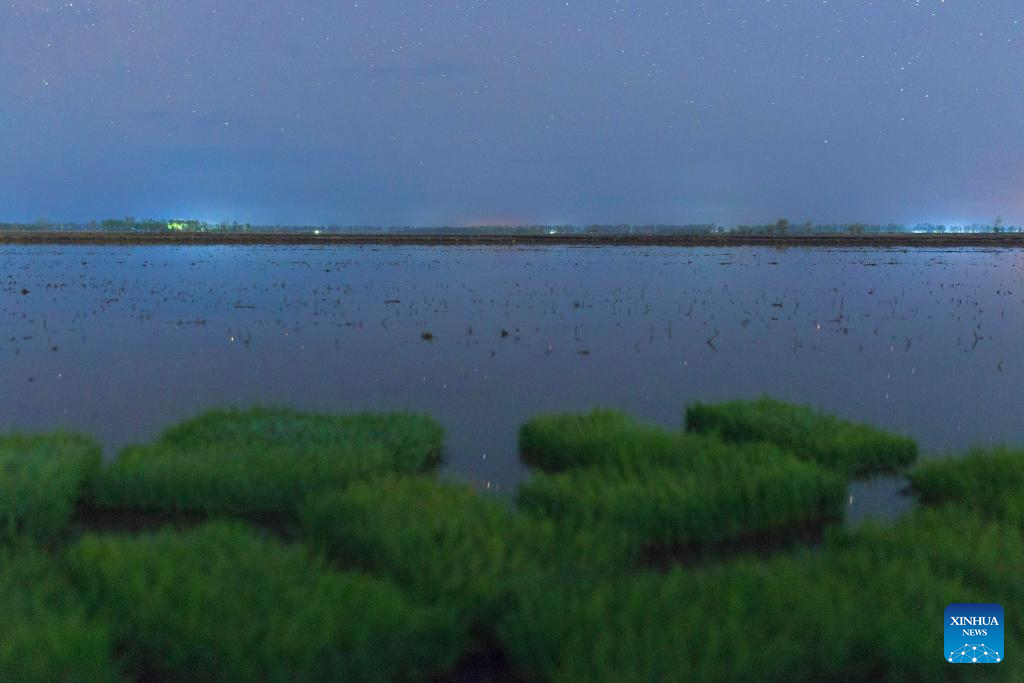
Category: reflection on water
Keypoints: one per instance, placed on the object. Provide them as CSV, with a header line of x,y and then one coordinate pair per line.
x,y
121,341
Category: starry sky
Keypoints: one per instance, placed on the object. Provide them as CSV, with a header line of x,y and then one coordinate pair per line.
x,y
386,112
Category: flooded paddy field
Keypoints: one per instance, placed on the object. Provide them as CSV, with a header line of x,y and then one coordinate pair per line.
x,y
121,341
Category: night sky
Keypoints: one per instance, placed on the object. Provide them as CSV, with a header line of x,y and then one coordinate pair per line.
x,y
524,111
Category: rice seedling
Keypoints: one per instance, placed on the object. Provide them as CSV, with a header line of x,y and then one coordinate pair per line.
x,y
660,509
42,479
957,541
215,480
264,461
401,577
612,440
987,480
45,633
847,612
221,602
463,543
413,441
853,449
555,443
469,549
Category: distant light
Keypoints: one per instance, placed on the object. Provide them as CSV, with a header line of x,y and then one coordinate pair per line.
x,y
317,232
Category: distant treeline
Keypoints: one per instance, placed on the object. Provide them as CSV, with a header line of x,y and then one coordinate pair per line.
x,y
780,227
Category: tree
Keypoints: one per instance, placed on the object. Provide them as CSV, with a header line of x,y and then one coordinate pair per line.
x,y
997,226
782,226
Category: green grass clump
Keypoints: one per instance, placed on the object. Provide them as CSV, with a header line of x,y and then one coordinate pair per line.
x,y
746,491
412,441
848,612
263,460
449,546
441,542
657,490
45,633
987,480
847,447
41,480
957,541
396,576
556,443
222,603
612,440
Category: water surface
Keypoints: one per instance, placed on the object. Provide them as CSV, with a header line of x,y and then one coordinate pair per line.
x,y
122,341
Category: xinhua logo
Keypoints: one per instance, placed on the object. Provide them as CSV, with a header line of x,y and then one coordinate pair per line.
x,y
974,633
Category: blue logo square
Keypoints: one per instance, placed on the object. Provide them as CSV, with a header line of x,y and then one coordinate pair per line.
x,y
974,633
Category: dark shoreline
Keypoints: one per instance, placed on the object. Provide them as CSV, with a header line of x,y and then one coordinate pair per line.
x,y
1002,240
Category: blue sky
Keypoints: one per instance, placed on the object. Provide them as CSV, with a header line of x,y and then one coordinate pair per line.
x,y
465,112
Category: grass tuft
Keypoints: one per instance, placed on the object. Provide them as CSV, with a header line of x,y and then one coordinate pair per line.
x,y
556,443
853,449
396,576
988,480
463,543
263,460
663,491
865,607
412,441
746,492
42,479
222,603
45,632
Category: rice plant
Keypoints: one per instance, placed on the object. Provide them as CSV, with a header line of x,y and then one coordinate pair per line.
x,y
847,612
42,479
852,449
412,441
660,508
46,633
223,603
989,480
555,443
264,461
441,542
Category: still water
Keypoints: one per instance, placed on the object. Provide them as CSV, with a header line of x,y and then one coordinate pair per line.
x,y
122,341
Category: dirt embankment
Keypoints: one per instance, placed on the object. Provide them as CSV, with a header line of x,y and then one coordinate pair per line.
x,y
1006,240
